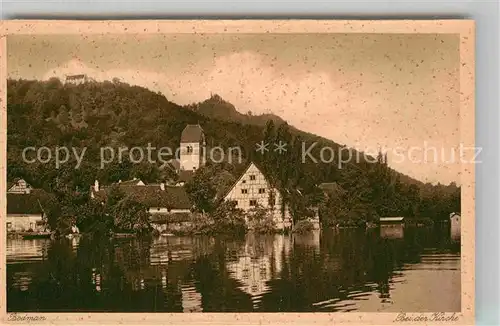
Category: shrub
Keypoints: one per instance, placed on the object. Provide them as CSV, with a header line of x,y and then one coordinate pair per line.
x,y
303,226
261,220
225,219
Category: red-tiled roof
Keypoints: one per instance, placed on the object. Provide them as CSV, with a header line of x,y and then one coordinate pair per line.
x,y
192,134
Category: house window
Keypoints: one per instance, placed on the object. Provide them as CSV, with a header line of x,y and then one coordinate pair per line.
x,y
243,181
262,190
252,177
236,203
9,225
244,191
253,202
189,149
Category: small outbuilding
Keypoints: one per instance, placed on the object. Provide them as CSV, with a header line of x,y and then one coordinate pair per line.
x,y
391,227
455,222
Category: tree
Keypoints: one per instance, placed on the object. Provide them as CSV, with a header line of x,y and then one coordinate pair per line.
x,y
130,216
228,219
201,190
261,220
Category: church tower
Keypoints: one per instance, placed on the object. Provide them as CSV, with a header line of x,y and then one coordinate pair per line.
x,y
192,150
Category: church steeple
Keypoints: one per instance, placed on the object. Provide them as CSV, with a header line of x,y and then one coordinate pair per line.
x,y
192,148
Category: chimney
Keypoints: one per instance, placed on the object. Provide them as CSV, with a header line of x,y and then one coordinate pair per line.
x,y
96,186
162,186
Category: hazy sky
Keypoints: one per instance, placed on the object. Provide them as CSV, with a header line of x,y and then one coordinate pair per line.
x,y
366,91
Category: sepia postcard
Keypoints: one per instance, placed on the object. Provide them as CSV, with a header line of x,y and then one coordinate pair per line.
x,y
242,172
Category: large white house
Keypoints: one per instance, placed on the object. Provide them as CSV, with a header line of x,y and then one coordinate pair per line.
x,y
252,189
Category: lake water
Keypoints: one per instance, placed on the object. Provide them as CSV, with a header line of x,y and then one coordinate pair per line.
x,y
332,270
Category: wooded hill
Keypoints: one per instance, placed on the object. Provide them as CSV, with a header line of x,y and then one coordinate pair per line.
x,y
100,114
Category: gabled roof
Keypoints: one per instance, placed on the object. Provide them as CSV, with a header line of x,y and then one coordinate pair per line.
x,y
192,134
175,164
152,195
31,203
15,182
10,184
241,176
133,182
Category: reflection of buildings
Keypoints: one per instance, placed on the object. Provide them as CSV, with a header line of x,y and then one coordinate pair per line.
x,y
166,253
257,265
309,239
165,250
26,250
75,241
191,298
21,280
96,279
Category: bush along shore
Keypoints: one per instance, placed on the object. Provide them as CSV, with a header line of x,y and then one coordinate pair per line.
x,y
226,219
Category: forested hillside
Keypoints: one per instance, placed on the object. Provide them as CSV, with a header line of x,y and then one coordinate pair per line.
x,y
95,115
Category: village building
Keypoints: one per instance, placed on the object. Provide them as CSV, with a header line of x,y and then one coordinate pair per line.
x,y
25,212
167,204
192,148
192,154
76,79
18,186
133,182
455,222
253,190
392,227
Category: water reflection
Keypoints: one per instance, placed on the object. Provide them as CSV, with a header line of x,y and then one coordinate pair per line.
x,y
333,270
